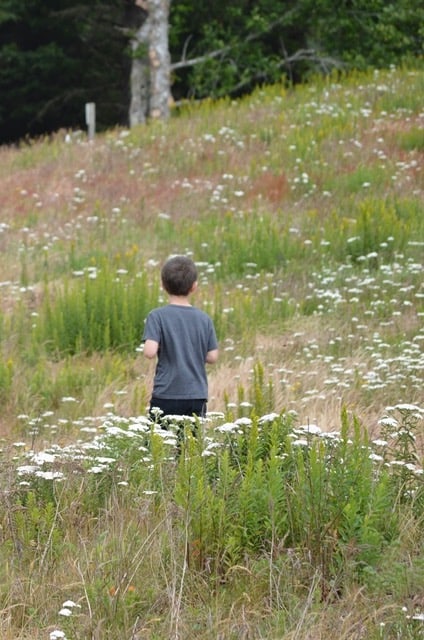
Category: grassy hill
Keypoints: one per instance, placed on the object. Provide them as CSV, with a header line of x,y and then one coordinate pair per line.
x,y
297,512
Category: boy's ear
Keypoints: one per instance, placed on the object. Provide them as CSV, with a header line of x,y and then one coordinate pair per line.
x,y
194,287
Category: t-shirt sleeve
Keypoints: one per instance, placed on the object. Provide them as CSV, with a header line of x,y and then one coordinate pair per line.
x,y
152,329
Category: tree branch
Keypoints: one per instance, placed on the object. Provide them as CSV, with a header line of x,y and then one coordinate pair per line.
x,y
183,63
303,54
325,62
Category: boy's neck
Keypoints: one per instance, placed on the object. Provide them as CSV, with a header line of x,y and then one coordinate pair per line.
x,y
182,301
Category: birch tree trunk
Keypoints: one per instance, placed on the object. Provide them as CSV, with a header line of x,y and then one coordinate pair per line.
x,y
159,59
140,75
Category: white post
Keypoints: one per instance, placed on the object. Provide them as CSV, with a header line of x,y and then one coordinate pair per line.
x,y
90,119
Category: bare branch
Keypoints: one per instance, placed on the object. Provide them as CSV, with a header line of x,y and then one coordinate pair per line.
x,y
311,55
303,54
183,63
186,46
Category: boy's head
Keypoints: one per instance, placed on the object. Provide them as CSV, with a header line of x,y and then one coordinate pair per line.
x,y
179,275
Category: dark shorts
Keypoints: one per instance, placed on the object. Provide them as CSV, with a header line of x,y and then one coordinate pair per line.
x,y
179,407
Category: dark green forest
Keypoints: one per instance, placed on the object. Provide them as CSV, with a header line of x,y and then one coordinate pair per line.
x,y
57,55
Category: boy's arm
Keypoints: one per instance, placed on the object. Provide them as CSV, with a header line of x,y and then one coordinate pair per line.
x,y
151,348
212,356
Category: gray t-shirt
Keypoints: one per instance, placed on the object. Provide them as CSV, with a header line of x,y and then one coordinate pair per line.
x,y
185,335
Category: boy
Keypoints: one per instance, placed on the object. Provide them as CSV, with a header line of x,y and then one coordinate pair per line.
x,y
183,338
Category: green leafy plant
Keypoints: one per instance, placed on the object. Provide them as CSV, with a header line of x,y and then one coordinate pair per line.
x,y
103,312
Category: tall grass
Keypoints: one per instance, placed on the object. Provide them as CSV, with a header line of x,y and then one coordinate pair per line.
x,y
285,507
106,311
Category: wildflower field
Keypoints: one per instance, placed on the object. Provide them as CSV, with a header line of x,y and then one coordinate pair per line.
x,y
295,510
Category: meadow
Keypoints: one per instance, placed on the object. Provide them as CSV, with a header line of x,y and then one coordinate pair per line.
x,y
295,509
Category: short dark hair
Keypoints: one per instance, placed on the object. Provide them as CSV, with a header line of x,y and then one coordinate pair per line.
x,y
178,275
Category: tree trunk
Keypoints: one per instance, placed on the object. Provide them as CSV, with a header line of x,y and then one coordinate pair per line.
x,y
139,80
140,77
159,59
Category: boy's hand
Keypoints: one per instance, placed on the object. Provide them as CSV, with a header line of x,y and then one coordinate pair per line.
x,y
212,356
